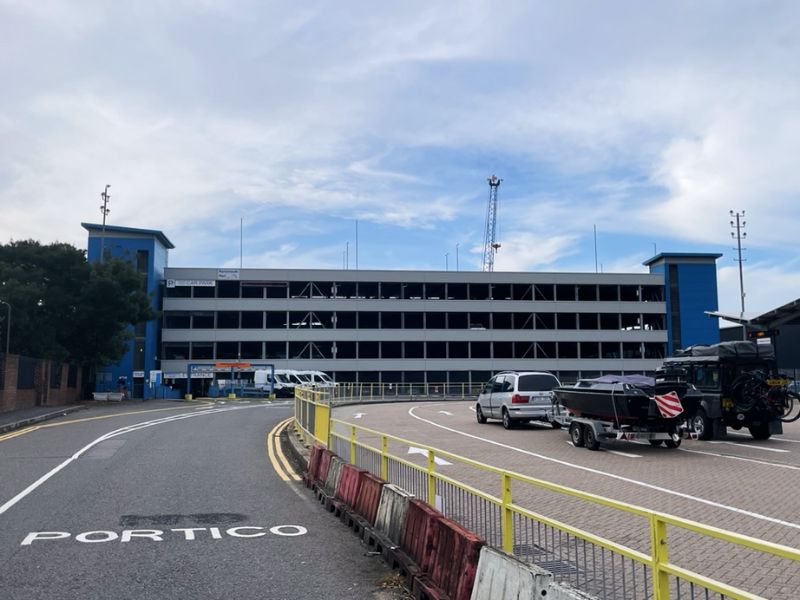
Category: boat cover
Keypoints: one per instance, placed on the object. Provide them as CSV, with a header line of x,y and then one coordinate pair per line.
x,y
736,349
637,380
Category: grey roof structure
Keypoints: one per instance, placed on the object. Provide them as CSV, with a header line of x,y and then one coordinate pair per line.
x,y
97,228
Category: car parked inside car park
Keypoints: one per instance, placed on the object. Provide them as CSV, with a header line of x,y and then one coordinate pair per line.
x,y
517,397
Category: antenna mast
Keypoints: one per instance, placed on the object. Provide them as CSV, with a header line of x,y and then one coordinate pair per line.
x,y
104,210
490,244
738,225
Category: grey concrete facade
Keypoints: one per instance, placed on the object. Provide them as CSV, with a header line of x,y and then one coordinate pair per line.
x,y
414,326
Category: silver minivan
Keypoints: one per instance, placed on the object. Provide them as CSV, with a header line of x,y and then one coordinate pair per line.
x,y
517,397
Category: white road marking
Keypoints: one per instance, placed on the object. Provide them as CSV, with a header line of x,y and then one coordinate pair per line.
x,y
444,412
157,535
651,486
749,446
298,530
743,458
358,415
102,438
436,459
621,453
774,438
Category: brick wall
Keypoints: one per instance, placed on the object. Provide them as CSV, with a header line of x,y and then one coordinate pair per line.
x,y
43,392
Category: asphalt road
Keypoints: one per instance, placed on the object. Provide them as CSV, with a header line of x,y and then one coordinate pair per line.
x,y
182,502
738,484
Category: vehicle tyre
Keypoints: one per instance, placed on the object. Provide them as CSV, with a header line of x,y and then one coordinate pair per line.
x,y
791,408
576,434
590,439
760,431
479,414
703,425
655,443
508,422
673,443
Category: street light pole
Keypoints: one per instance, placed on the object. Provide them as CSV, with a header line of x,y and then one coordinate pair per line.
x,y
8,327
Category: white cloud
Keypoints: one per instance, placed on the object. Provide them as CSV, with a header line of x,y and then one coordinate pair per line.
x,y
765,286
647,121
530,252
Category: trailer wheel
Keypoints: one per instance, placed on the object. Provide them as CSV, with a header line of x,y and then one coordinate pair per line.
x,y
576,434
672,443
703,425
591,438
655,443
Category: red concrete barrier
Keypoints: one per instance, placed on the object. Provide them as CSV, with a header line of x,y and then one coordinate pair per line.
x,y
455,562
324,465
369,496
313,464
418,537
347,490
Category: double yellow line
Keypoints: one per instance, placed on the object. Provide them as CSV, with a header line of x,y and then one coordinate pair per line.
x,y
276,455
32,428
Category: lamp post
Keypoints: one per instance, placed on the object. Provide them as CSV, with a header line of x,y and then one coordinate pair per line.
x,y
8,327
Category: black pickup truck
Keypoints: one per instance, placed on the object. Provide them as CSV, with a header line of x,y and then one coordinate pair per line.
x,y
741,387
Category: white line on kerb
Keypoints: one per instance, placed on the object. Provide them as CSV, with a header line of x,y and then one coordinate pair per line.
x,y
651,486
102,438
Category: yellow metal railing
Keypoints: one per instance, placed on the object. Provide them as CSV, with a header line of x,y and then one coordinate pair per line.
x,y
312,412
313,417
363,392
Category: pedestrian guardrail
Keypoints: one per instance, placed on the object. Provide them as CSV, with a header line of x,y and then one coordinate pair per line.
x,y
604,547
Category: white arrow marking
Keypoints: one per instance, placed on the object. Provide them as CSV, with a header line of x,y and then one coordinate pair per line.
x,y
436,459
358,415
444,412
625,454
617,452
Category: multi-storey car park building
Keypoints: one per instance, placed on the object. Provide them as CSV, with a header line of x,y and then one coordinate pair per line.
x,y
430,326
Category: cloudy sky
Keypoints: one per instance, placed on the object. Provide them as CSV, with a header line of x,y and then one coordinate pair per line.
x,y
647,121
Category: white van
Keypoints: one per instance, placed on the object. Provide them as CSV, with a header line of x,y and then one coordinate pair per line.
x,y
317,379
283,384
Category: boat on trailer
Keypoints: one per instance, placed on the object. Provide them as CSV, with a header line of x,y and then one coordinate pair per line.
x,y
628,407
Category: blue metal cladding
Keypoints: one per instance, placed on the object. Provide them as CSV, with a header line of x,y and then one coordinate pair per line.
x,y
693,285
697,286
127,245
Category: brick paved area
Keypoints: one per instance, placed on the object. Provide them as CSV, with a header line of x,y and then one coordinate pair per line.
x,y
740,484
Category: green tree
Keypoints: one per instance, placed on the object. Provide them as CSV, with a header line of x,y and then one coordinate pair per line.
x,y
43,285
112,302
65,309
